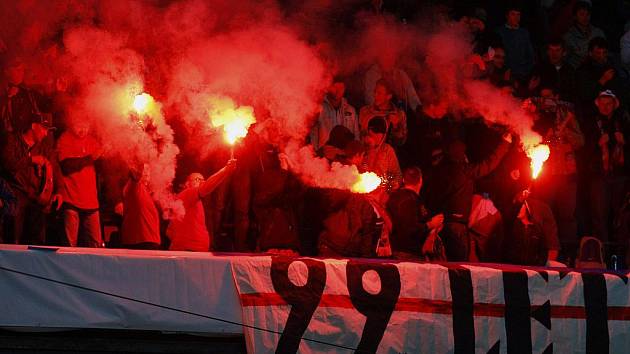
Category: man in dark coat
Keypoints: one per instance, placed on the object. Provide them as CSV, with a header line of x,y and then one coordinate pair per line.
x,y
533,239
450,190
411,221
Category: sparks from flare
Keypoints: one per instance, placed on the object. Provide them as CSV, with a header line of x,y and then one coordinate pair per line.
x,y
367,182
537,155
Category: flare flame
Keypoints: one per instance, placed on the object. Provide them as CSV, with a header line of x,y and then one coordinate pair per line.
x,y
537,155
367,182
234,120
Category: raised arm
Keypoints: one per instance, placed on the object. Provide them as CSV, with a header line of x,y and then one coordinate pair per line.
x,y
216,179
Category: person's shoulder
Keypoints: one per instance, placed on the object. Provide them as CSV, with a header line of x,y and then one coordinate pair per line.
x,y
597,32
572,32
388,148
538,206
64,137
189,195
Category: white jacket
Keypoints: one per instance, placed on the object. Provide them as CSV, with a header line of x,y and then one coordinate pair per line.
x,y
329,117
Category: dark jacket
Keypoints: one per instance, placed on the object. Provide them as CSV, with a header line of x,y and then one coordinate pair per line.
x,y
563,80
18,168
519,53
528,245
450,185
592,154
564,137
351,228
9,201
409,217
588,75
15,111
276,193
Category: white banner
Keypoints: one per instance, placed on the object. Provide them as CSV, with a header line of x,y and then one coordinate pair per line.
x,y
117,289
313,306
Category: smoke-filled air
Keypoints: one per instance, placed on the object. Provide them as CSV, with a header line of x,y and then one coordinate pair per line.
x,y
137,69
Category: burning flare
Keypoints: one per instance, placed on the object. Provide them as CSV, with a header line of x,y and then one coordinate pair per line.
x,y
367,182
234,120
538,155
142,103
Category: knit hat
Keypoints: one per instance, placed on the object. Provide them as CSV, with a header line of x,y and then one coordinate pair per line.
x,y
608,93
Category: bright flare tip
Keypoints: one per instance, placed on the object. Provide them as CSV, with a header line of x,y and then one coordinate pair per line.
x,y
538,155
367,182
141,103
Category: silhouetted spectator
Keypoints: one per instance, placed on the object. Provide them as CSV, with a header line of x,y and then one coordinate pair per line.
x,y
605,153
598,74
395,117
411,221
519,54
533,236
557,183
335,111
77,151
190,232
450,191
579,35
380,157
404,93
17,102
555,73
29,166
140,218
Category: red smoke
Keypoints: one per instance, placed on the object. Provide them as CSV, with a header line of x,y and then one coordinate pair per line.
x,y
276,59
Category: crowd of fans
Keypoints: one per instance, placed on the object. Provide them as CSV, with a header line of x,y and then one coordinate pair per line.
x,y
454,189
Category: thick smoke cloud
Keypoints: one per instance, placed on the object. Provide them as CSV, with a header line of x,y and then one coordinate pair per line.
x,y
277,58
110,77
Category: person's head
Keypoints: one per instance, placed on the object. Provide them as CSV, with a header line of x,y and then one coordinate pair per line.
x,y
80,128
548,92
14,71
382,93
377,128
607,102
412,178
39,125
339,137
335,92
598,50
513,16
498,60
582,13
194,180
354,153
476,20
555,51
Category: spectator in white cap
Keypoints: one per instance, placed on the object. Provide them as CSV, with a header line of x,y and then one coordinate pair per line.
x,y
605,164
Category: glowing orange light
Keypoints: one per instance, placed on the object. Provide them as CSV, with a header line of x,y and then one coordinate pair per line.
x,y
234,120
142,103
367,182
538,155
